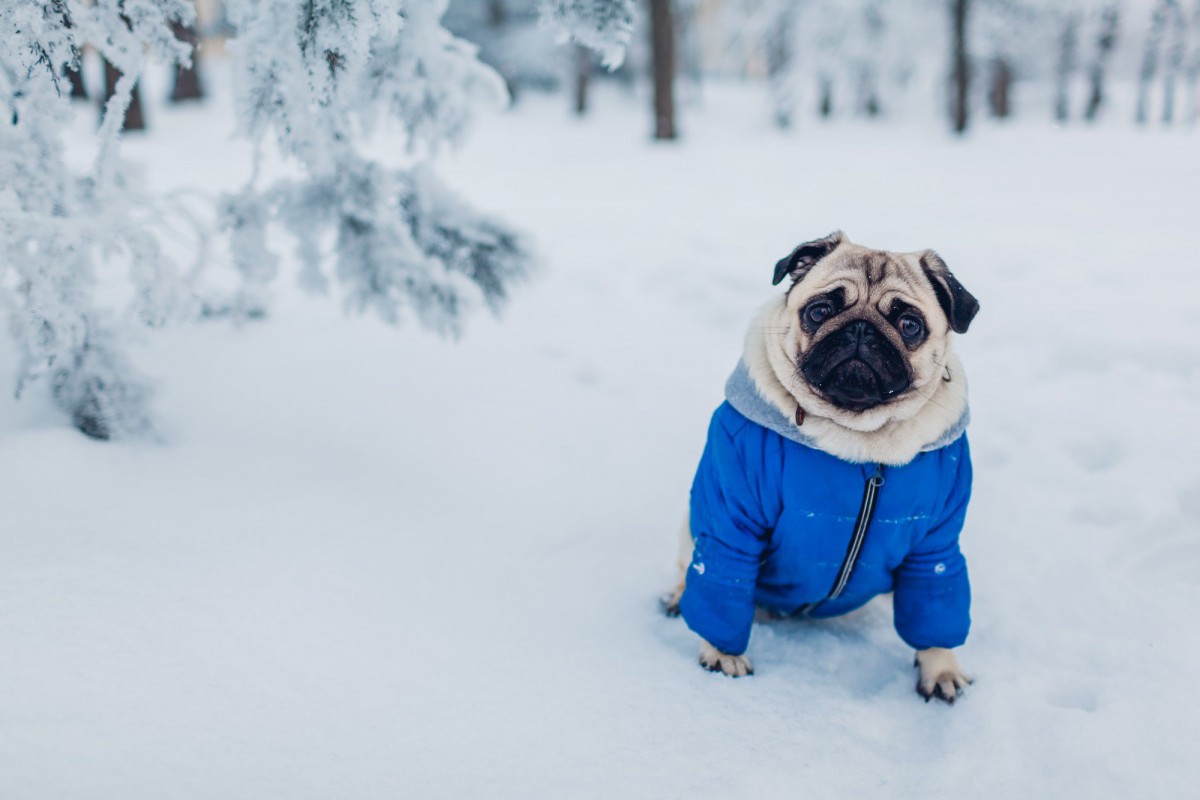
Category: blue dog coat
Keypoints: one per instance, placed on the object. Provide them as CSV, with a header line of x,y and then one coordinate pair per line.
x,y
771,518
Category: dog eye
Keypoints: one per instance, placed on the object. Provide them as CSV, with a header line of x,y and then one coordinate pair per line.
x,y
910,327
817,313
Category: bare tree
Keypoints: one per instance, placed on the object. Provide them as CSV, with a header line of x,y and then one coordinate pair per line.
x,y
1106,44
868,68
583,76
960,67
1065,66
662,46
1173,58
497,13
779,43
1000,80
825,94
1150,58
1192,70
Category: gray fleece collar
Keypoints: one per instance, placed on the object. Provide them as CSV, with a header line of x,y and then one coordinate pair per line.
x,y
743,395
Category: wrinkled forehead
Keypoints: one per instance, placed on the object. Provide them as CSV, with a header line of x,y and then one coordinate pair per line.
x,y
863,271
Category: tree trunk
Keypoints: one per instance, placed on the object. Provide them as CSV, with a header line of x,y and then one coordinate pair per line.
x,y
1068,58
1106,43
74,73
1173,60
134,119
1149,68
825,104
662,45
1192,74
1000,88
187,79
497,13
74,77
779,67
960,71
869,103
583,74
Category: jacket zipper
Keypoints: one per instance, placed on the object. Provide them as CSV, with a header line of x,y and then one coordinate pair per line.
x,y
862,523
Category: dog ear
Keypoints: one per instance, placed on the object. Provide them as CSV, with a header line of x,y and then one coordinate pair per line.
x,y
805,257
959,304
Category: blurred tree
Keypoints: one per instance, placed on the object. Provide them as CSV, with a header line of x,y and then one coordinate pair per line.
x,y
960,66
1192,70
187,84
1107,27
1150,58
134,119
662,46
583,76
1067,62
780,44
1175,48
1000,81
1006,30
867,65
74,69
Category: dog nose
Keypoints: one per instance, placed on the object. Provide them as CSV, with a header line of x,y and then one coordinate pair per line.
x,y
860,332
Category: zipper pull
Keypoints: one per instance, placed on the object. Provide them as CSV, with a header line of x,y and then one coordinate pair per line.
x,y
876,480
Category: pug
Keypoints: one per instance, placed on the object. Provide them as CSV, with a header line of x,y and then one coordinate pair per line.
x,y
838,467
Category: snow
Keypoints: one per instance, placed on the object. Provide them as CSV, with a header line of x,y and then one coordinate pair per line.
x,y
366,562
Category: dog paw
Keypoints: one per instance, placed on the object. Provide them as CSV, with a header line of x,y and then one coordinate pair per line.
x,y
670,601
714,660
939,675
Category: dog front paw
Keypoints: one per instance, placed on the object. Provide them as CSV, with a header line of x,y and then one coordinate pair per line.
x,y
714,660
939,675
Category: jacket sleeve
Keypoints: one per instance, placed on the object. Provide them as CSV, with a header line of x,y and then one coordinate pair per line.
x,y
730,532
933,595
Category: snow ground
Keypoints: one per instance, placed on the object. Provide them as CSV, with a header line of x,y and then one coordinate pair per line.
x,y
369,563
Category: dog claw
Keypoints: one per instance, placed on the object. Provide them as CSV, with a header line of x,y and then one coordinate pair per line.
x,y
669,605
714,660
940,676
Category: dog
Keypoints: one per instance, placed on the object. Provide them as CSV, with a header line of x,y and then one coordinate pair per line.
x,y
838,467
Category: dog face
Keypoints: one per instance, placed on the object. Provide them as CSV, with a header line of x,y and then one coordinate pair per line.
x,y
865,333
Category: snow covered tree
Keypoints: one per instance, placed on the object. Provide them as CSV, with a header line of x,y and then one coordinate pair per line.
x,y
601,25
61,232
319,76
187,85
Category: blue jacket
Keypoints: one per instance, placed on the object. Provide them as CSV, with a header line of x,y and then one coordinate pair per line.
x,y
771,519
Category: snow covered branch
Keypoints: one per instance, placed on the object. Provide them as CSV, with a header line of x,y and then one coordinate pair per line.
x,y
321,76
59,228
605,26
